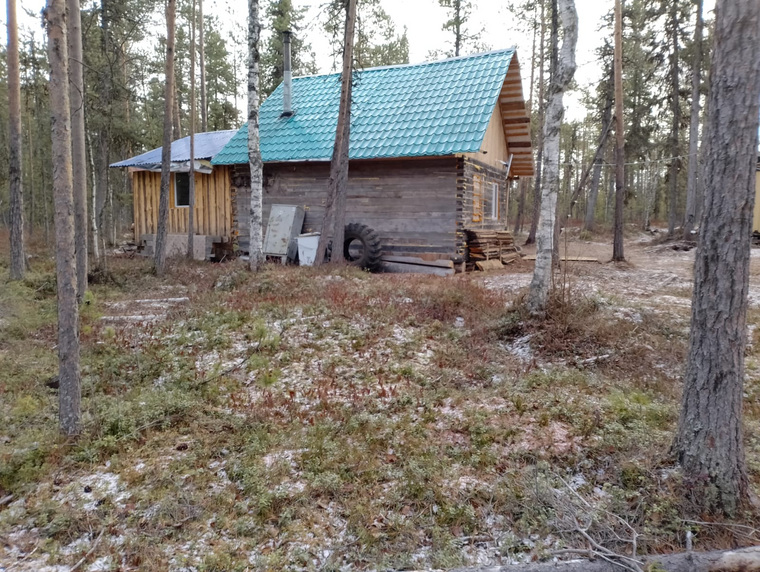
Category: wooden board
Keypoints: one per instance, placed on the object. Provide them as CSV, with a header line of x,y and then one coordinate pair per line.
x,y
419,261
399,268
567,258
489,265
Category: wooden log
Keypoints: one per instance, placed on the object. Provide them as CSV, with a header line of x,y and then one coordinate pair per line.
x,y
401,268
420,261
569,258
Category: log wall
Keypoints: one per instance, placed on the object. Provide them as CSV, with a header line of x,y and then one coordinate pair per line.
x,y
213,204
411,203
475,199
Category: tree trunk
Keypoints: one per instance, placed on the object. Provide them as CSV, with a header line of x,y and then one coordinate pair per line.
x,y
176,120
69,391
708,443
18,256
103,141
718,561
593,194
256,249
93,215
696,80
163,203
539,287
522,191
202,45
191,174
539,156
337,185
674,142
617,241
78,152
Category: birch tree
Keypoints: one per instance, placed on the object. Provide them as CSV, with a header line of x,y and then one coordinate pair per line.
x,y
18,256
166,151
565,70
256,248
708,443
69,390
337,186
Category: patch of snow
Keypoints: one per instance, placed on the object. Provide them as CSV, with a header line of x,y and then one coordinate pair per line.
x,y
521,349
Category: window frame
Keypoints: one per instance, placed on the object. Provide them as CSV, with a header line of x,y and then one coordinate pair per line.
x,y
495,190
176,188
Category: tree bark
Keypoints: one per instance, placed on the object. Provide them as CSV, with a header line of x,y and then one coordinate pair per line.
x,y
696,80
18,256
93,214
202,45
337,185
166,152
708,442
78,151
539,156
675,150
191,174
256,249
617,241
69,391
522,191
588,224
539,287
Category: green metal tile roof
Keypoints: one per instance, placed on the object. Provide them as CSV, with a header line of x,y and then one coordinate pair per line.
x,y
429,109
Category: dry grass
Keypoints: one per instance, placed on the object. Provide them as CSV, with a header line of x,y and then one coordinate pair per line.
x,y
305,419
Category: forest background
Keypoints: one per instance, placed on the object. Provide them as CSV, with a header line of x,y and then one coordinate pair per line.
x,y
124,79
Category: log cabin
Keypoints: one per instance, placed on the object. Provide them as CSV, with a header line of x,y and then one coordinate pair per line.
x,y
432,151
213,204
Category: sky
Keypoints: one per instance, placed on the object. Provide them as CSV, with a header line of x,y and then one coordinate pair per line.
x,y
423,20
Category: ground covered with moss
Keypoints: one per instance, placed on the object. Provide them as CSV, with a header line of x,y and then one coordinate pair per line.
x,y
303,419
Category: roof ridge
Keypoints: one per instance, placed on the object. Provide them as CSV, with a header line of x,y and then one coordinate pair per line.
x,y
412,65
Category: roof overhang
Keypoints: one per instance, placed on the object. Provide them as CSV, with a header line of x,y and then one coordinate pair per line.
x,y
515,117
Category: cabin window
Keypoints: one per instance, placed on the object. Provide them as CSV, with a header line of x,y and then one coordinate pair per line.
x,y
495,201
477,198
181,189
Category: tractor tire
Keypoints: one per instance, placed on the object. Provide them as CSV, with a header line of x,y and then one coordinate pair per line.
x,y
371,249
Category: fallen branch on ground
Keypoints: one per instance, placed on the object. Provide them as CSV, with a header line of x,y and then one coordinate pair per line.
x,y
718,561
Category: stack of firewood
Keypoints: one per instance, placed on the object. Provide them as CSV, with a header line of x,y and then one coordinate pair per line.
x,y
492,245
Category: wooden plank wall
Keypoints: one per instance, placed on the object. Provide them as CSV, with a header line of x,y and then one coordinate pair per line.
x,y
213,204
411,203
493,150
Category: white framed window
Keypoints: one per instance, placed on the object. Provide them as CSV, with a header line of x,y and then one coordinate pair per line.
x,y
181,190
495,201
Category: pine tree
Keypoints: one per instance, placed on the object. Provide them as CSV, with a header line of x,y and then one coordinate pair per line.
x,y
18,255
282,16
70,391
709,441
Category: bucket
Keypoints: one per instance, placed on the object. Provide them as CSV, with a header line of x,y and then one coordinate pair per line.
x,y
307,248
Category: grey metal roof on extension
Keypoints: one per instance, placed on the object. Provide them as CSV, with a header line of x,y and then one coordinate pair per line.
x,y
206,146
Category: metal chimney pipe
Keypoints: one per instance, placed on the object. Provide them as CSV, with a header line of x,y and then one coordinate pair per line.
x,y
287,76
